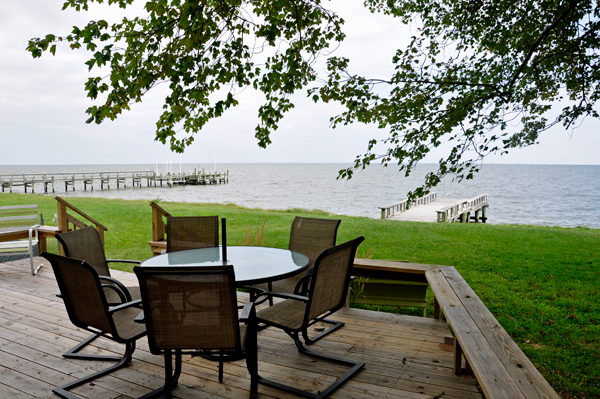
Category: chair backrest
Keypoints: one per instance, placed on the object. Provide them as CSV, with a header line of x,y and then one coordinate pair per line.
x,y
81,290
190,232
311,236
330,279
85,244
190,307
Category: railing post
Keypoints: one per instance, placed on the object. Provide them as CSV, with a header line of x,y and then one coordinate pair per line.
x,y
100,231
61,222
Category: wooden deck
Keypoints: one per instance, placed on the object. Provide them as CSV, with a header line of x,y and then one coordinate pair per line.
x,y
405,356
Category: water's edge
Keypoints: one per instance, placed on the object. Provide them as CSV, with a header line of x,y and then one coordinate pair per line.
x,y
549,195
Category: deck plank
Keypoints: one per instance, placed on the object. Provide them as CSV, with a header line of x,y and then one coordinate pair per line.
x,y
405,356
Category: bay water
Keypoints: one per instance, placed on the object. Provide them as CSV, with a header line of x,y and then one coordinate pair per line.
x,y
550,195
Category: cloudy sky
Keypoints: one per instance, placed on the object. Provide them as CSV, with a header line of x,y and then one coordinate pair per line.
x,y
43,102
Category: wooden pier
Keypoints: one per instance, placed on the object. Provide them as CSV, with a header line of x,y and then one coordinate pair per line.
x,y
103,180
430,208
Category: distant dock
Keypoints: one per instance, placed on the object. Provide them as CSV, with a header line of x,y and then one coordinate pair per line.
x,y
430,208
104,180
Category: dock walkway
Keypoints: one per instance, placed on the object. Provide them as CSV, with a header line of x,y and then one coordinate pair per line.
x,y
430,208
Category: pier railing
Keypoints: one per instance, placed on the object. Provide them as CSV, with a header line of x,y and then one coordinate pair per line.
x,y
404,205
463,209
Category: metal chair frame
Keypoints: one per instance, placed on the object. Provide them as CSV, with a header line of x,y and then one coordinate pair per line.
x,y
112,284
63,391
296,236
307,298
172,375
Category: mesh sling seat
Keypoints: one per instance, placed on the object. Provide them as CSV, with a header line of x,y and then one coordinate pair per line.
x,y
309,236
326,294
81,290
191,232
192,308
86,244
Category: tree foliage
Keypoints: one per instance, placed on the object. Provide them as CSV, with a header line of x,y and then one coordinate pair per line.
x,y
205,51
487,75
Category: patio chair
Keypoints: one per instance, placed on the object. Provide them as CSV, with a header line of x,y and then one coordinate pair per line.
x,y
187,309
326,294
190,232
309,236
82,292
86,244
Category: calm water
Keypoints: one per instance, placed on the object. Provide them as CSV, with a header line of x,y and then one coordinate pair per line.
x,y
551,195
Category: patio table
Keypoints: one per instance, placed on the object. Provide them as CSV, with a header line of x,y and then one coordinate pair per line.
x,y
252,265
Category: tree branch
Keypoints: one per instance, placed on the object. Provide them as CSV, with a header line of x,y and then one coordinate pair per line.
x,y
539,41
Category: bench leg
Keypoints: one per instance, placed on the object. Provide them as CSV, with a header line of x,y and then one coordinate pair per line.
x,y
457,358
468,369
436,310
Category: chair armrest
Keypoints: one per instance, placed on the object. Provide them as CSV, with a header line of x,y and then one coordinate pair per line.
x,y
118,284
302,285
31,229
137,262
119,292
253,291
251,288
137,302
248,312
283,295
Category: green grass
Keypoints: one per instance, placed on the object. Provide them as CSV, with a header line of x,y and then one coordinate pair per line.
x,y
541,283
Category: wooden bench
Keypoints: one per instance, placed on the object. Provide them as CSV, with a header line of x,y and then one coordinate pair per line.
x,y
19,233
500,366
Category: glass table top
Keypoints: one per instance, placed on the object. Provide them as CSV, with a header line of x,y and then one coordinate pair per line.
x,y
252,265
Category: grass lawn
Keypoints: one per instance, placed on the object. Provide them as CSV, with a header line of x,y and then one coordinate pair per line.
x,y
541,283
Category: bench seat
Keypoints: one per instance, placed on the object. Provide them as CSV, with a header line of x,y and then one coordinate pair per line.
x,y
500,366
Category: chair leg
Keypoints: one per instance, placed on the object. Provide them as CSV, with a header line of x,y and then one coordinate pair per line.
x,y
354,368
335,326
250,347
63,391
34,269
72,353
171,379
221,366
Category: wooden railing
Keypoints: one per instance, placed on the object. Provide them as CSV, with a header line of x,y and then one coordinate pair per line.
x,y
462,209
159,228
404,205
67,222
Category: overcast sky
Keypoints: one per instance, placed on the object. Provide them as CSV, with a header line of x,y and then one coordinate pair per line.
x,y
43,103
